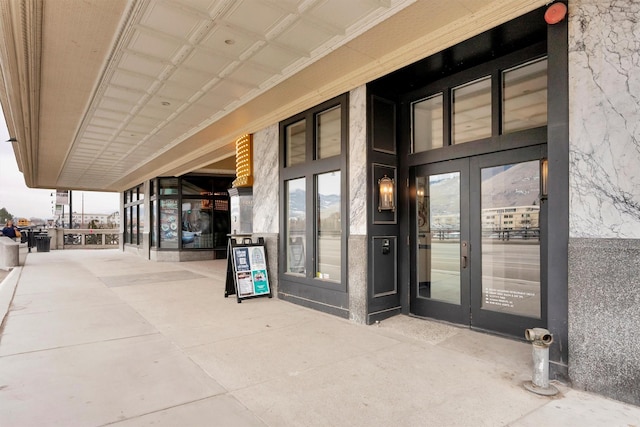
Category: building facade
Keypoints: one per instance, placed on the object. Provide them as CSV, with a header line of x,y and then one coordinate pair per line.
x,y
481,172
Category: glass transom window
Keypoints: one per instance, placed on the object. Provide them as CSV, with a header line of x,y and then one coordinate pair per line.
x,y
295,144
524,96
472,111
427,116
329,133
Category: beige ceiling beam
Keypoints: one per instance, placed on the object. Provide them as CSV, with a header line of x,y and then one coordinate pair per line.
x,y
20,58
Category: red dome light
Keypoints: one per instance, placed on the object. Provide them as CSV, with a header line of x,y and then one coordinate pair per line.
x,y
555,13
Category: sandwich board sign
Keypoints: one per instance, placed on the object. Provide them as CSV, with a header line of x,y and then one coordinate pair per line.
x,y
247,275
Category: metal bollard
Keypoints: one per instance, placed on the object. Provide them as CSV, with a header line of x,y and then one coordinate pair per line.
x,y
541,340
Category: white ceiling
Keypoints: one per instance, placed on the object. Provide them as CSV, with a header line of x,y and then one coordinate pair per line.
x,y
125,90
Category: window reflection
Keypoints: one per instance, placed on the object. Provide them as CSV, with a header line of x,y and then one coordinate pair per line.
x,y
140,221
438,225
154,224
168,186
511,239
169,223
295,143
472,111
197,185
296,225
329,226
427,124
525,96
329,133
196,224
134,225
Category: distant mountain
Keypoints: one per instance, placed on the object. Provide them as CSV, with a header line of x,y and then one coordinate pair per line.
x,y
297,203
509,185
328,202
518,185
444,196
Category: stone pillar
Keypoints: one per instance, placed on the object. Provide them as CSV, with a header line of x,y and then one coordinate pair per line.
x,y
604,239
266,200
357,244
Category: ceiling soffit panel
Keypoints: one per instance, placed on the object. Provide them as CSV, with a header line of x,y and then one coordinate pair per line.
x,y
76,39
338,72
139,88
180,65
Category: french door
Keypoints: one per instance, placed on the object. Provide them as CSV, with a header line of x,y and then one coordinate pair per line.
x,y
478,237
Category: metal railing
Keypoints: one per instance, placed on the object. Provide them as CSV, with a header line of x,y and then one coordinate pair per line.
x,y
91,238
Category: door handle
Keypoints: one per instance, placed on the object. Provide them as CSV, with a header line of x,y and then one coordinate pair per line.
x,y
464,254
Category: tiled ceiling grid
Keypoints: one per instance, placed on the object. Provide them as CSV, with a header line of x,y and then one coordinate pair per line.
x,y
180,65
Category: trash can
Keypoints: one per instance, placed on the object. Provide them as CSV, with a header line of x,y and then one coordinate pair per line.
x,y
43,243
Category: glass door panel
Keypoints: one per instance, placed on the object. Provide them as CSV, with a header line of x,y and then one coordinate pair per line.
x,y
511,238
438,225
440,230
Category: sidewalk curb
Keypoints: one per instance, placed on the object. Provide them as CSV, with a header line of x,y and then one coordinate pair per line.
x,y
7,290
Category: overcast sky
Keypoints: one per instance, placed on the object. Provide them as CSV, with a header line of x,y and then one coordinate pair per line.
x,y
24,202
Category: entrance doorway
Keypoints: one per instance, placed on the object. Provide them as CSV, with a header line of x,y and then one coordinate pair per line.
x,y
479,242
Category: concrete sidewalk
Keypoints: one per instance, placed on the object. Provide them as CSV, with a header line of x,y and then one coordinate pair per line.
x,y
104,338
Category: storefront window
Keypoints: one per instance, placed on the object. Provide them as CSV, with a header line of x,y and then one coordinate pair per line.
x,y
134,225
154,224
133,215
313,262
168,186
197,186
169,220
127,225
197,226
140,221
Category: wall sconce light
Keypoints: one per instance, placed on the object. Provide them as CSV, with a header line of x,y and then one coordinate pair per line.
x,y
544,176
386,199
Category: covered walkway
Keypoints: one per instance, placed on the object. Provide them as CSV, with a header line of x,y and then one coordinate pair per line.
x,y
99,337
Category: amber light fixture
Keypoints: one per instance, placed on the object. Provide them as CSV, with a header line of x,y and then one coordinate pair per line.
x,y
386,188
544,176
244,161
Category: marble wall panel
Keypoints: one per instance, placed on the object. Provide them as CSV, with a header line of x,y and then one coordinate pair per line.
x,y
266,180
358,161
604,107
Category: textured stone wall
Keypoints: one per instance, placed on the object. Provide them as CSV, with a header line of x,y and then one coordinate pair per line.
x,y
266,200
604,245
604,317
265,187
357,262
